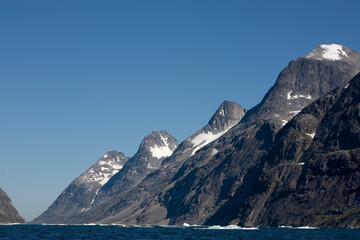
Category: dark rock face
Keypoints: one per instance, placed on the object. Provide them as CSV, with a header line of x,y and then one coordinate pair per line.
x,y
8,213
80,194
316,184
208,188
279,168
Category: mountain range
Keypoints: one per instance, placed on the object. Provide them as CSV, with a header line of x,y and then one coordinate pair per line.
x,y
291,160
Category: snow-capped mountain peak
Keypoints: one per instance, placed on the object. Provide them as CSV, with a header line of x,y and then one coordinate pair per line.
x,y
332,52
110,163
158,144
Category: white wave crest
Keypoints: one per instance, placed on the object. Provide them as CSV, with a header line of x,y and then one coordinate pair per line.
x,y
232,227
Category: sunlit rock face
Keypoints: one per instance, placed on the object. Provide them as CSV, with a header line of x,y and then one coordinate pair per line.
x,y
8,213
81,193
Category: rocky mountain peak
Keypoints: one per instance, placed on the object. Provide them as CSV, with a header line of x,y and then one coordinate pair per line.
x,y
158,144
228,114
333,52
306,79
100,172
225,117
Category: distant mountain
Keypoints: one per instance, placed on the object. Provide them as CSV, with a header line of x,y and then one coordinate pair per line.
x,y
141,205
152,151
207,188
8,213
125,173
80,194
127,194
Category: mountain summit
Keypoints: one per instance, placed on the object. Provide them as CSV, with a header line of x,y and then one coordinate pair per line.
x,y
332,52
80,194
228,114
158,145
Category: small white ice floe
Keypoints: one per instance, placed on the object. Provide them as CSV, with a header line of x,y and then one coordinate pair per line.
x,y
232,227
189,225
304,227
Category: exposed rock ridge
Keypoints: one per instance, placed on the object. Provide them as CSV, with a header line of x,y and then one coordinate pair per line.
x,y
80,194
8,213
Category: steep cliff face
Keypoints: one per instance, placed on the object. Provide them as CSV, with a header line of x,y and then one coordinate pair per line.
x,y
205,185
80,194
280,168
311,176
8,213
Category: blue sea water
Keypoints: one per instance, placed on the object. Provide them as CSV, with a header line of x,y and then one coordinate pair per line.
x,y
75,232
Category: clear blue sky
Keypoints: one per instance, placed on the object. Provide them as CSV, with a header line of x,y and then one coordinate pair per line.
x,y
79,78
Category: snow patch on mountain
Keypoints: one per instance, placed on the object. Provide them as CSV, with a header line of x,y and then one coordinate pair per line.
x,y
289,97
294,112
221,113
162,151
312,135
102,171
205,138
214,152
332,52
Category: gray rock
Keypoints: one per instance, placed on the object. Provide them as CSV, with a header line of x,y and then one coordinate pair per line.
x,y
297,149
80,194
206,185
141,204
153,149
314,182
8,213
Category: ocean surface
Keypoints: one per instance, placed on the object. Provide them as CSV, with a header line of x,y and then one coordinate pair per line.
x,y
169,232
